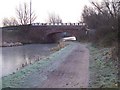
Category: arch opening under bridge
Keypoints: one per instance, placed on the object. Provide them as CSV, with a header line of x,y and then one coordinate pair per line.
x,y
57,36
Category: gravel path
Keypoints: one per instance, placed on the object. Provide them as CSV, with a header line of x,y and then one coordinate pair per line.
x,y
67,68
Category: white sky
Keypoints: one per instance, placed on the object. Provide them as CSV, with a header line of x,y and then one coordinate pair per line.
x,y
68,10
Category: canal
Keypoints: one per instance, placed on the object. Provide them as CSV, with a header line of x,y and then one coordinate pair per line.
x,y
14,58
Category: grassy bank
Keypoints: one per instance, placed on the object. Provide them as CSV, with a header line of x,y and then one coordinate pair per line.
x,y
103,69
16,80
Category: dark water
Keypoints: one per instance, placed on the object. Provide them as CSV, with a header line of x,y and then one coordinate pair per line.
x,y
14,57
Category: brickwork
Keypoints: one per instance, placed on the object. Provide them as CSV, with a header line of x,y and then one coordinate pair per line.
x,y
46,33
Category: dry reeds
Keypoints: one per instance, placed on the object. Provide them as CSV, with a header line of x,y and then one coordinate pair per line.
x,y
59,46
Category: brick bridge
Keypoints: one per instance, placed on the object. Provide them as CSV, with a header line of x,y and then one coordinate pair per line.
x,y
50,32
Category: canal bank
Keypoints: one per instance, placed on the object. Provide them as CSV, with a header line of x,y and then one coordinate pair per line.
x,y
15,58
70,67
38,70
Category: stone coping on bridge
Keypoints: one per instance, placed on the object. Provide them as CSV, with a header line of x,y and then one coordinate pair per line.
x,y
60,24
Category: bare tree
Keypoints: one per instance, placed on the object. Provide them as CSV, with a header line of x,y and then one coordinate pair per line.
x,y
53,18
9,22
107,12
112,6
103,18
24,14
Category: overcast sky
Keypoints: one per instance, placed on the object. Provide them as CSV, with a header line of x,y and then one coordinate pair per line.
x,y
68,10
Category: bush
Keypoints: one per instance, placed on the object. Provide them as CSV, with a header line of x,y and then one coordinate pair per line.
x,y
59,46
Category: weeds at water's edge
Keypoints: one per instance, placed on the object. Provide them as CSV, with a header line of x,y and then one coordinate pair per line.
x,y
61,45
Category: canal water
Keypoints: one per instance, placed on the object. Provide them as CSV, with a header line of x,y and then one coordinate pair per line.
x,y
13,58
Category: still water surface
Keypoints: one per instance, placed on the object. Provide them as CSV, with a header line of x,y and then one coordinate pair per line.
x,y
14,57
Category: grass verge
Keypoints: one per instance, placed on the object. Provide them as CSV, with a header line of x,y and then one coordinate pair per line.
x,y
103,69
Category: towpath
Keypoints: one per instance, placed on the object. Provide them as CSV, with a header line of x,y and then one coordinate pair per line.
x,y
71,73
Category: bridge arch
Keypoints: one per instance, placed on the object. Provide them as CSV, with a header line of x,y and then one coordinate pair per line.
x,y
55,36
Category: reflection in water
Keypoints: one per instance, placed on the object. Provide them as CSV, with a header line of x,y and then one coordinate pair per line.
x,y
14,57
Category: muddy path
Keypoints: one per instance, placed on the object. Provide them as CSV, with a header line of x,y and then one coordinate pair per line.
x,y
72,73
